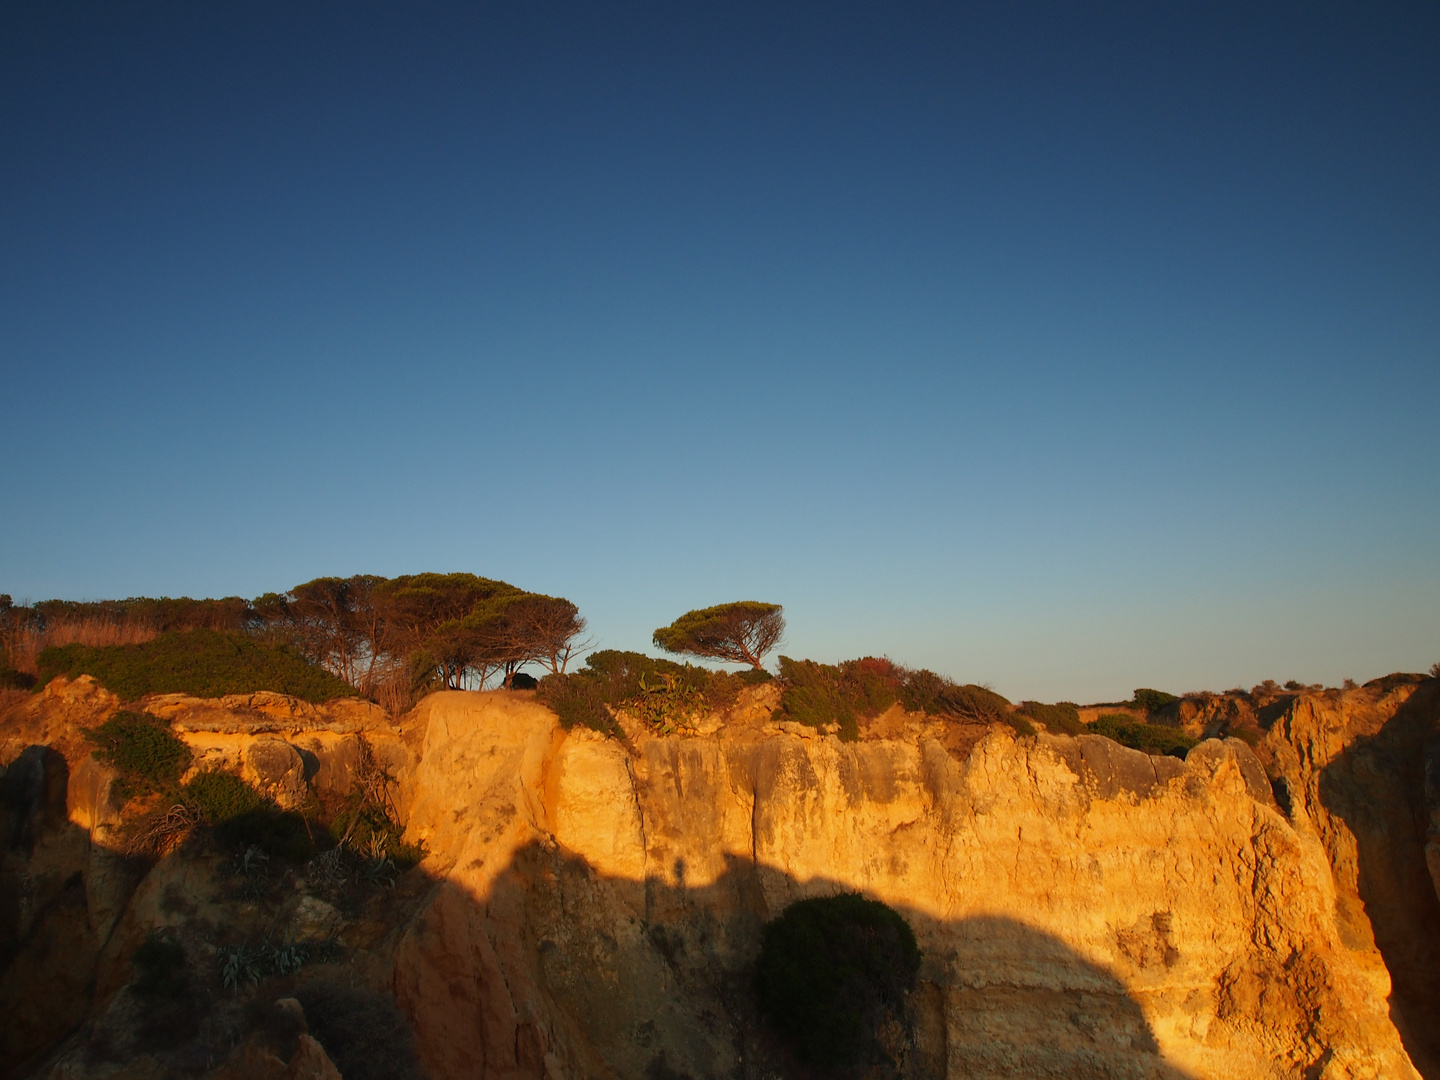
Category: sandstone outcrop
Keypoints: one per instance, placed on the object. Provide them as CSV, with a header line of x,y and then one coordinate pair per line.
x,y
1359,768
1084,909
591,907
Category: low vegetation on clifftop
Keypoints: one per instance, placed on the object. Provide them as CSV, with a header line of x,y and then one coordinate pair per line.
x,y
395,639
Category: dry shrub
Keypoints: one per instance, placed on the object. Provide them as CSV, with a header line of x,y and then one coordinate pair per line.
x,y
27,642
396,695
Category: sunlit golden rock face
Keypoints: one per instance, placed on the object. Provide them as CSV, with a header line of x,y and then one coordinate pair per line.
x,y
1084,909
591,906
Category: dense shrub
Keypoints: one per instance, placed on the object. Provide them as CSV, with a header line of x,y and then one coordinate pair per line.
x,y
221,796
576,700
846,693
1153,700
1062,717
142,749
169,1014
363,1032
843,694
241,816
831,972
206,663
925,691
1153,739
663,693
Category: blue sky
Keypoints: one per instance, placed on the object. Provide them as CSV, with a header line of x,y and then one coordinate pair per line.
x,y
1069,348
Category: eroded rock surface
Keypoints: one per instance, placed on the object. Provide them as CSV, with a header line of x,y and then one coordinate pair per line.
x,y
591,907
1084,909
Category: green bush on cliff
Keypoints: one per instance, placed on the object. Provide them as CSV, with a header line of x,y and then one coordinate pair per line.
x,y
662,693
1153,700
576,700
844,694
856,690
831,972
142,749
1153,739
205,663
1062,718
242,816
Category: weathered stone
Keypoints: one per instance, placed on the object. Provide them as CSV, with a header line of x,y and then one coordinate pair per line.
x,y
1084,909
276,769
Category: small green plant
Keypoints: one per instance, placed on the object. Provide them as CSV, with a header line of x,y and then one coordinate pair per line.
x,y
248,963
1158,740
831,972
287,958
668,705
327,872
240,964
252,863
142,749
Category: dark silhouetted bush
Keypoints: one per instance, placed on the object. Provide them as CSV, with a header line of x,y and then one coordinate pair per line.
x,y
205,663
1153,700
159,967
142,749
831,972
363,1032
241,816
1153,739
221,796
10,679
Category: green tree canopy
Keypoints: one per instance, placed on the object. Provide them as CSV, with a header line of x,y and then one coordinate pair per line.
x,y
738,633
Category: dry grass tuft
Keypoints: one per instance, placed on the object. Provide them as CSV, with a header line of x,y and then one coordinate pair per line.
x,y
27,642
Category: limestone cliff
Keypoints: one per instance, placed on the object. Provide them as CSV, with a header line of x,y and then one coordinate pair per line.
x,y
591,907
1085,910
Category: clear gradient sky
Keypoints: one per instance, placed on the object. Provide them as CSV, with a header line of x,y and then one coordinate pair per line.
x,y
1069,348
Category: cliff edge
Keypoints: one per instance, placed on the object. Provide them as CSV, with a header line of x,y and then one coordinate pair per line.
x,y
591,907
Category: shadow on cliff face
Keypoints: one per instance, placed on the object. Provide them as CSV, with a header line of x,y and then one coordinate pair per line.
x,y
561,968
48,940
1378,787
